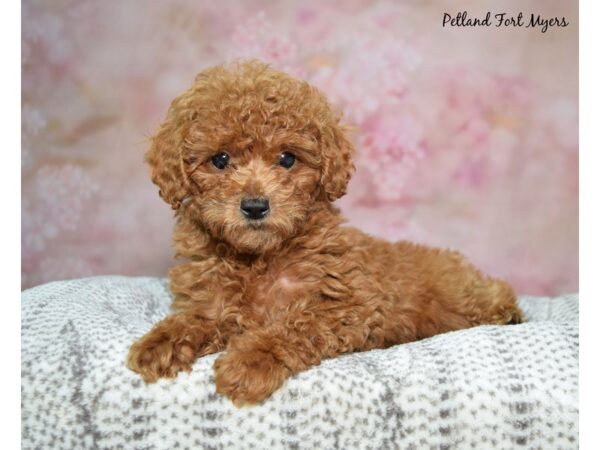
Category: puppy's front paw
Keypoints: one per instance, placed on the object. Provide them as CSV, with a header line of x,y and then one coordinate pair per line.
x,y
157,355
248,377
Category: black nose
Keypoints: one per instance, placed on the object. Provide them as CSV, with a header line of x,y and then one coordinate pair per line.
x,y
255,208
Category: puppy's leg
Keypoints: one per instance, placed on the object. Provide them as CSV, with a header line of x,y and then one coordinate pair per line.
x,y
450,294
486,301
173,345
257,362
495,303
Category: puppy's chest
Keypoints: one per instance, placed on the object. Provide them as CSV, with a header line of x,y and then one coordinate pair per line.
x,y
273,291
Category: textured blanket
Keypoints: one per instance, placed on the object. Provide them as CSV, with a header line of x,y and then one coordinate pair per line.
x,y
486,387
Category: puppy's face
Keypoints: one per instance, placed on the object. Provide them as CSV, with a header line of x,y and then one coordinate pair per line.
x,y
247,151
254,193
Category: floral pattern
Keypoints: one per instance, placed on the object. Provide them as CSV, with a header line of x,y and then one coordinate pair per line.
x,y
466,138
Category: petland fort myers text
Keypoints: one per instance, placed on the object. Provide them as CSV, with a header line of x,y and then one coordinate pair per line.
x,y
520,20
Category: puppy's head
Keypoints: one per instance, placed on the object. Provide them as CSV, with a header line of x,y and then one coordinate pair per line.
x,y
247,151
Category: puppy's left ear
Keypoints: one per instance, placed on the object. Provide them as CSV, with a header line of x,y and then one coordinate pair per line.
x,y
337,165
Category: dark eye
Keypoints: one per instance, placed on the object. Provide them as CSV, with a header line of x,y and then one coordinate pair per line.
x,y
220,160
287,160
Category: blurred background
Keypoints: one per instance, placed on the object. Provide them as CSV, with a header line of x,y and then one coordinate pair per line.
x,y
467,138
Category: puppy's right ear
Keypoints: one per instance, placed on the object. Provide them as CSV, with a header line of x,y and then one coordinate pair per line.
x,y
165,157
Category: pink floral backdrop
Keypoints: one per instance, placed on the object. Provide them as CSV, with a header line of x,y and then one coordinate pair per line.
x,y
467,138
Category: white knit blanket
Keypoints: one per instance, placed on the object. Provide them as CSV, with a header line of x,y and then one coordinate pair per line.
x,y
487,387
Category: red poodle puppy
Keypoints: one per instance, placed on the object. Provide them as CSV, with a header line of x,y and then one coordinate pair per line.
x,y
251,160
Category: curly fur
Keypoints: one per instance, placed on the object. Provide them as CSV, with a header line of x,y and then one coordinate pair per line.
x,y
282,294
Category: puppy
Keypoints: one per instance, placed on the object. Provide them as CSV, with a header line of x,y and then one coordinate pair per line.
x,y
251,160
